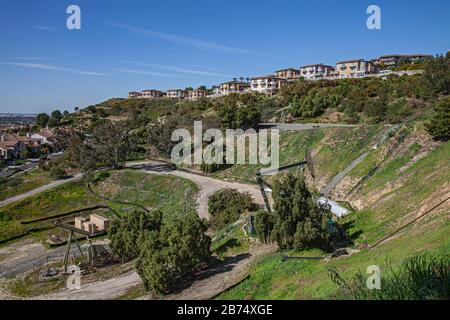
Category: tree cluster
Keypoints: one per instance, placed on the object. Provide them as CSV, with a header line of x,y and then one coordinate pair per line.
x,y
109,145
166,250
297,221
227,205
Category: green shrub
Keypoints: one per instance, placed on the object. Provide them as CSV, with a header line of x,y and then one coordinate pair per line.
x,y
226,206
126,233
264,222
439,126
100,176
299,222
57,172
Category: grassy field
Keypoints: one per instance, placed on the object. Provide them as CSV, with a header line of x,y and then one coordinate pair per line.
x,y
404,188
21,183
168,193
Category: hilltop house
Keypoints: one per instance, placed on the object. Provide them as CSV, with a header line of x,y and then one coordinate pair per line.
x,y
289,73
395,60
267,84
317,71
152,94
134,95
197,94
357,68
231,87
176,94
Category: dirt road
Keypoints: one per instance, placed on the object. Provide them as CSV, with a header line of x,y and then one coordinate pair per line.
x,y
209,284
206,185
100,290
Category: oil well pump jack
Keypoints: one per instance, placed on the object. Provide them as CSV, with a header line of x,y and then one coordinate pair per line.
x,y
265,187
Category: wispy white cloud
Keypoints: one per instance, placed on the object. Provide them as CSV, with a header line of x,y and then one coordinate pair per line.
x,y
179,39
146,73
179,69
50,67
46,28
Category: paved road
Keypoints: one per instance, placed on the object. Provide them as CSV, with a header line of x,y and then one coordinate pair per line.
x,y
33,192
304,126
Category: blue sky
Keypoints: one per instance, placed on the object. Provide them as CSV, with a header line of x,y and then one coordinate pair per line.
x,y
134,45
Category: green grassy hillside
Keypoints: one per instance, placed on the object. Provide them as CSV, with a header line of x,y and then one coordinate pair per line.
x,y
409,174
168,193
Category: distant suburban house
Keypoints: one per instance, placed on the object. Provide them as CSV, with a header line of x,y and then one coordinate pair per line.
x,y
232,87
269,84
197,94
176,94
317,71
394,60
289,73
134,94
44,137
11,149
32,145
152,94
357,68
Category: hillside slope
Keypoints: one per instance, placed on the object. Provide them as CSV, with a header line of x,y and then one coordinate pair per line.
x,y
402,179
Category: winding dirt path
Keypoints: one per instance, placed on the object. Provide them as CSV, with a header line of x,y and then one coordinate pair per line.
x,y
207,185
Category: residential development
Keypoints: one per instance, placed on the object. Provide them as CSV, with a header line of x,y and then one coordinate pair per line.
x,y
270,84
13,146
